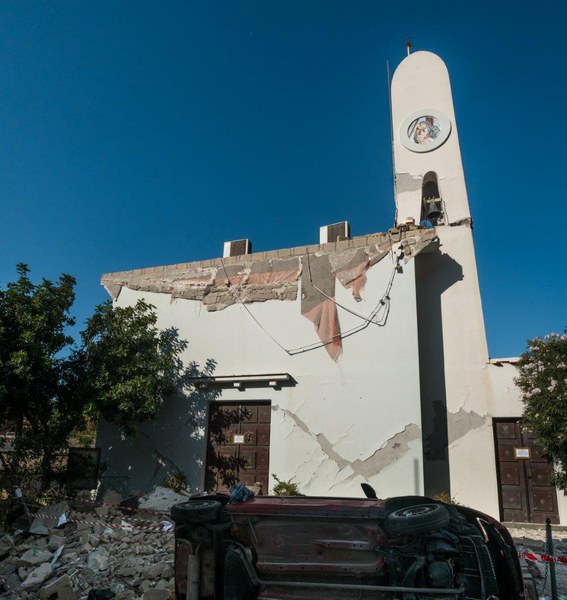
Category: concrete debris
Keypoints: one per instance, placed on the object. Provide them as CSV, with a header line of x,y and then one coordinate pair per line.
x,y
126,557
61,589
37,576
33,557
161,499
98,560
532,539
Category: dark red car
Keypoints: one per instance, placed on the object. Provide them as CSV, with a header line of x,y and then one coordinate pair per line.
x,y
306,548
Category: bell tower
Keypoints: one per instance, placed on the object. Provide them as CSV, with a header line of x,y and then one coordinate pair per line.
x,y
430,190
429,178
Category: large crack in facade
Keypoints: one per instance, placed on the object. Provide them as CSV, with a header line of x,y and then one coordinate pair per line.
x,y
392,450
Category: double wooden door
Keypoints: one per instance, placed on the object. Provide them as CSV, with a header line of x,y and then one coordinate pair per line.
x,y
238,446
525,491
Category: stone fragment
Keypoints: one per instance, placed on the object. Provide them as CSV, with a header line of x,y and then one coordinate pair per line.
x,y
37,576
98,560
88,577
40,543
13,582
167,573
155,571
161,499
38,527
54,542
157,594
60,589
22,547
101,511
33,557
6,544
69,557
7,566
112,498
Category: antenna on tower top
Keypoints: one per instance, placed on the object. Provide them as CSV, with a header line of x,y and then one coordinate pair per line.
x,y
408,47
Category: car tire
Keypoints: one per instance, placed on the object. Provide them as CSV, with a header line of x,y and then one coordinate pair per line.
x,y
413,520
196,511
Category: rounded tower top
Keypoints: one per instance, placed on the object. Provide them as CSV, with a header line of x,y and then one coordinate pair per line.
x,y
425,141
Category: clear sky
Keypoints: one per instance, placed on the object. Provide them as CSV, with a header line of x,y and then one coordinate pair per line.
x,y
137,133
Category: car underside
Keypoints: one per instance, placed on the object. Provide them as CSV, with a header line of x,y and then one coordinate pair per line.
x,y
307,548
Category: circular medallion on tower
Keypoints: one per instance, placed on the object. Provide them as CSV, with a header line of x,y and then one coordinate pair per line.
x,y
425,130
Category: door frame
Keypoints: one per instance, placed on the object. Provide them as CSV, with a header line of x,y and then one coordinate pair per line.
x,y
229,402
531,513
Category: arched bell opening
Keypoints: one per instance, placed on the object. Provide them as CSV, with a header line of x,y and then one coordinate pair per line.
x,y
431,204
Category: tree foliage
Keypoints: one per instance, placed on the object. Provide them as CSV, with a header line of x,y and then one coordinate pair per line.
x,y
543,381
122,370
129,364
35,399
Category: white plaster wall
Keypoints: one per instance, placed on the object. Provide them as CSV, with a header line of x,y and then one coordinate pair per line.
x,y
469,398
505,399
343,423
421,82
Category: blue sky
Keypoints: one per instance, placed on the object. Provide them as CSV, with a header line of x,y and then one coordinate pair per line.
x,y
137,133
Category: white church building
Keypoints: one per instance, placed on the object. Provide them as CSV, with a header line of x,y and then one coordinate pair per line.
x,y
353,360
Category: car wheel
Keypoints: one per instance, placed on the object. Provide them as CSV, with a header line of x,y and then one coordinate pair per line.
x,y
417,519
196,511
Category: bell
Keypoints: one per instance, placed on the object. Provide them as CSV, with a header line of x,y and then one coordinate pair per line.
x,y
433,210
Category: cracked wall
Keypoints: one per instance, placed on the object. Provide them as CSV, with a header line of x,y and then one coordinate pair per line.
x,y
354,420
322,457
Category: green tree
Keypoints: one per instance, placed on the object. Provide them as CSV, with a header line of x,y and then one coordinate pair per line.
x,y
122,371
35,398
128,364
543,381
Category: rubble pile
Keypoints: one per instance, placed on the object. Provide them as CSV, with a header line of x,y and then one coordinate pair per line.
x,y
87,552
532,540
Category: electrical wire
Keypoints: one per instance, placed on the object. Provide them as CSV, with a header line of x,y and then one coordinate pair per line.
x,y
383,305
235,294
352,312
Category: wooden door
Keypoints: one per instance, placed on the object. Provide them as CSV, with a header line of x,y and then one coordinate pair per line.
x,y
525,491
238,445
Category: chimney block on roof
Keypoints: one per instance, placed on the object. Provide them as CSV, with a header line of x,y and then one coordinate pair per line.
x,y
334,233
237,248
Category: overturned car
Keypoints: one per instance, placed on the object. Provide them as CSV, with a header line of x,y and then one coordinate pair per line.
x,y
307,548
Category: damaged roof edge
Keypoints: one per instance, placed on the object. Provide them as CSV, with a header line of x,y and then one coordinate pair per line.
x,y
356,242
114,281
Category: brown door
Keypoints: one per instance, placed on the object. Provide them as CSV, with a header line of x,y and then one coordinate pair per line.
x,y
525,492
238,446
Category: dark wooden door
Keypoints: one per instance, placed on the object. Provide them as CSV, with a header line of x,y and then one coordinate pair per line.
x,y
238,446
525,491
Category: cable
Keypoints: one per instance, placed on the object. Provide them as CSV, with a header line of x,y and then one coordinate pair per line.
x,y
352,312
235,294
383,304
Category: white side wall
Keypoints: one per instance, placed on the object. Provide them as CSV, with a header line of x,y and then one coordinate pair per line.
x,y
345,422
